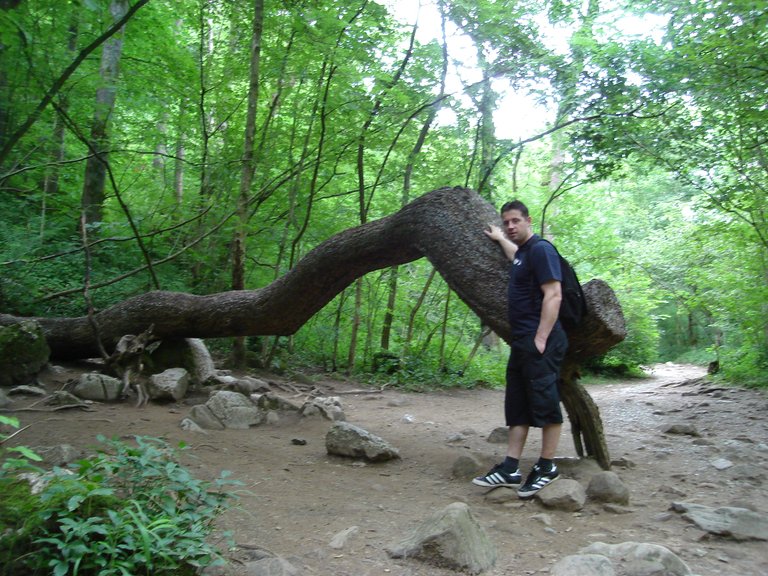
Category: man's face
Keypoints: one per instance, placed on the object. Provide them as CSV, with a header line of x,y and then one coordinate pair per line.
x,y
516,226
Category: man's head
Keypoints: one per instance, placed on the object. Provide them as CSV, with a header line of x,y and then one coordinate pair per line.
x,y
517,222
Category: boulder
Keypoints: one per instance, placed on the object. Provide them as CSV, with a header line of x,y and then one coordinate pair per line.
x,y
640,559
171,384
736,523
234,410
327,407
583,565
345,439
608,487
203,417
99,387
565,494
449,538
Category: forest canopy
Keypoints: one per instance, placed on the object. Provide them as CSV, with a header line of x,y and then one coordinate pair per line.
x,y
201,146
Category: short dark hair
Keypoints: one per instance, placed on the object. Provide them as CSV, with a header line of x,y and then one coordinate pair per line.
x,y
515,205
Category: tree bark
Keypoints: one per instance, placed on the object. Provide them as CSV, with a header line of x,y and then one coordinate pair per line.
x,y
445,225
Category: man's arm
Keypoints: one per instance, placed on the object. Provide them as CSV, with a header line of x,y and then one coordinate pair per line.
x,y
550,307
497,234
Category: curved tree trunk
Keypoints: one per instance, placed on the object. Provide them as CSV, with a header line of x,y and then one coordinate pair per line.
x,y
445,225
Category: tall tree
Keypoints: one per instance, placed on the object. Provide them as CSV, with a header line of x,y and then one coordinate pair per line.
x,y
92,201
247,168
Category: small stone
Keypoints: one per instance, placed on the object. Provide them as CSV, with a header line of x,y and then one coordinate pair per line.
x,y
721,464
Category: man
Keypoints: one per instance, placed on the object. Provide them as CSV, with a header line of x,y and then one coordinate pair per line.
x,y
537,350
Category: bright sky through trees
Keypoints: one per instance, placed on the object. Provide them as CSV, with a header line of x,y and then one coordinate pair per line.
x,y
518,115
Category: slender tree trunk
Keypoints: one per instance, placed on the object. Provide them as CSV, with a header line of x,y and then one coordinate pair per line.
x,y
337,331
394,272
363,202
205,49
355,327
568,83
51,185
487,137
95,167
414,312
247,171
178,170
444,329
161,148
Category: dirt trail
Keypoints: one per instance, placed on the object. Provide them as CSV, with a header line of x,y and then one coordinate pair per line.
x,y
295,498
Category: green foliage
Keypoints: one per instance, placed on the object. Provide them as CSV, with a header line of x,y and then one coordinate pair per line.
x,y
655,184
129,509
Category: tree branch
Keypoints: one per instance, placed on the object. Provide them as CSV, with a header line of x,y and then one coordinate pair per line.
x,y
445,225
61,80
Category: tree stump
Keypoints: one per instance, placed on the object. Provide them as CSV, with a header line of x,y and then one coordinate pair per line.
x,y
603,328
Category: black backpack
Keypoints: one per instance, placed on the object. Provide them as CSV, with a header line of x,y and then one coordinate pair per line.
x,y
573,307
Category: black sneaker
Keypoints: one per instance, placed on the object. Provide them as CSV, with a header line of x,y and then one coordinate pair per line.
x,y
499,477
537,480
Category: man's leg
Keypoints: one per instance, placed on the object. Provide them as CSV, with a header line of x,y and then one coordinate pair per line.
x,y
517,437
507,473
550,437
545,406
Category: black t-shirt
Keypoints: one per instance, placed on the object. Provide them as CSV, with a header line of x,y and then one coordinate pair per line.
x,y
535,263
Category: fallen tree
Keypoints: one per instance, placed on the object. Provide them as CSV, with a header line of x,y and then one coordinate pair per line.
x,y
445,226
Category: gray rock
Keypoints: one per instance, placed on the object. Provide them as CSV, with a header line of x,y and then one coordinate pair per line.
x,y
583,565
171,384
60,455
327,407
449,538
341,538
607,487
681,430
640,559
581,469
203,417
503,495
271,401
498,436
190,425
273,566
23,352
234,410
247,385
466,467
188,353
345,439
93,386
737,523
565,494
4,400
721,463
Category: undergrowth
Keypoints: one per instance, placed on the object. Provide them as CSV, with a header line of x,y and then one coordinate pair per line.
x,y
130,509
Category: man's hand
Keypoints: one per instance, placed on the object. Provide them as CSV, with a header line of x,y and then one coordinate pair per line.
x,y
498,235
495,233
541,344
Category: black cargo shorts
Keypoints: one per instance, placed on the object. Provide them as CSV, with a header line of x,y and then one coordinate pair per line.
x,y
532,397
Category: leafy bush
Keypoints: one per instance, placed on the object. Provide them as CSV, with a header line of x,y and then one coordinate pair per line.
x,y
128,510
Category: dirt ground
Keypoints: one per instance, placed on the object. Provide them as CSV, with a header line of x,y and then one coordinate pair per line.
x,y
295,497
